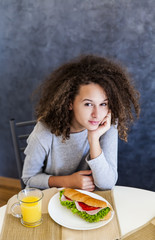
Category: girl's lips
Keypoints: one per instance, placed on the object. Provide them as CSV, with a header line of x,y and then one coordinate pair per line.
x,y
94,122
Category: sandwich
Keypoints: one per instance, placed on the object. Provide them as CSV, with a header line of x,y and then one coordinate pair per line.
x,y
88,208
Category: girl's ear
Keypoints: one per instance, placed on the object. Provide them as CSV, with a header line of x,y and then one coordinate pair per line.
x,y
70,106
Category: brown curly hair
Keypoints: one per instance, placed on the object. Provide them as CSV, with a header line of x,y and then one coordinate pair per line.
x,y
58,91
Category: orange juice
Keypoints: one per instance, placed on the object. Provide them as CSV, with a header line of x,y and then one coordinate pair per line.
x,y
31,209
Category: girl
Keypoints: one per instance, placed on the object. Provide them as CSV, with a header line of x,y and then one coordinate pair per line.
x,y
83,106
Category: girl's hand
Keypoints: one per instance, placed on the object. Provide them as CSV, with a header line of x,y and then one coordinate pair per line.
x,y
82,180
103,127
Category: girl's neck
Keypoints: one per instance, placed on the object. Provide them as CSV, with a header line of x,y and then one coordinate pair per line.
x,y
76,130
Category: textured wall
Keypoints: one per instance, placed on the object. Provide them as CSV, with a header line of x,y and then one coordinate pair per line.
x,y
37,36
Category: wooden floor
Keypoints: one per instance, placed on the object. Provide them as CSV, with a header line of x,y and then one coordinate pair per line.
x,y
8,188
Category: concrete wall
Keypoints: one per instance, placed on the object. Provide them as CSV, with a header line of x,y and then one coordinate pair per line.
x,y
37,36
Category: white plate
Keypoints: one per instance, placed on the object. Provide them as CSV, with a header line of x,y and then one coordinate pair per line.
x,y
64,216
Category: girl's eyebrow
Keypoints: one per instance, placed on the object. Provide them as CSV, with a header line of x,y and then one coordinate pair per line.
x,y
86,99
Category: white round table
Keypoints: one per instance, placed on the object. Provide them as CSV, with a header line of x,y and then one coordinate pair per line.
x,y
131,204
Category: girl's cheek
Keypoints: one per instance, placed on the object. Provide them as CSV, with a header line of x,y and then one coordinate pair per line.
x,y
106,111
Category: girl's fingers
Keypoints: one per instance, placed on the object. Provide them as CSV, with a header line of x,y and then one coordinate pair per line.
x,y
108,116
88,182
89,188
85,172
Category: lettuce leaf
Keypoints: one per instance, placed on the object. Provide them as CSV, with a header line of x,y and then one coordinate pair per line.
x,y
89,218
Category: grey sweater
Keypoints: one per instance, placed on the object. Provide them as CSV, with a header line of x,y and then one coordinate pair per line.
x,y
47,155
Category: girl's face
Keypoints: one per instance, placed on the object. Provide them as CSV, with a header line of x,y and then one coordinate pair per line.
x,y
89,108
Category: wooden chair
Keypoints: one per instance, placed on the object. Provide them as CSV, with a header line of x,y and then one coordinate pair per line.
x,y
20,132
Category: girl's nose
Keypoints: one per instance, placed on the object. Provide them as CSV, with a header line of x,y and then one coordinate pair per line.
x,y
95,112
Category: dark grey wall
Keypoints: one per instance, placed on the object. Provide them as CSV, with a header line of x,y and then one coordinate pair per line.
x,y
37,36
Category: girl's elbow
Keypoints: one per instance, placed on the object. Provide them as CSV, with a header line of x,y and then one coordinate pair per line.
x,y
108,184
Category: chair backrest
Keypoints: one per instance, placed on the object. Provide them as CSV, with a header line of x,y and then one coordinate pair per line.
x,y
20,132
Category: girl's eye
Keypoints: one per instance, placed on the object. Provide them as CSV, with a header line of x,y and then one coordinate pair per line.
x,y
104,104
88,104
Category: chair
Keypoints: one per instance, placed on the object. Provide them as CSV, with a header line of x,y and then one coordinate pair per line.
x,y
20,132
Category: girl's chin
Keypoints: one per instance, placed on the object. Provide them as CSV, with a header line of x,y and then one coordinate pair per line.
x,y
92,128
82,128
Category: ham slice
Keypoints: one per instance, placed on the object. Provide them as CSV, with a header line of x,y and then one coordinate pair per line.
x,y
91,212
79,207
63,198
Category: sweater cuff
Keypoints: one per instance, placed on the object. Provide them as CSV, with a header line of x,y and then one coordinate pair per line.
x,y
39,181
92,162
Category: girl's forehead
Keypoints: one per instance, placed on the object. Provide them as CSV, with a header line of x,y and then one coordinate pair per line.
x,y
92,91
91,88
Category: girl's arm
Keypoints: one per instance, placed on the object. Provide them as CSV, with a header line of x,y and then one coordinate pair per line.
x,y
33,176
103,156
94,136
81,180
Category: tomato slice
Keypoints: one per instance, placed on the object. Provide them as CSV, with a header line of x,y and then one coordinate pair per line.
x,y
86,207
68,198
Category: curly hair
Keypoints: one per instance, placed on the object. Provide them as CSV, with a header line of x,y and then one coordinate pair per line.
x,y
58,91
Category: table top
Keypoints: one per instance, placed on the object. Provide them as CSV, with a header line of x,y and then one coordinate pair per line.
x,y
131,203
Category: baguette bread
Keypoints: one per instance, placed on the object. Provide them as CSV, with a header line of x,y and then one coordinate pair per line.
x,y
81,197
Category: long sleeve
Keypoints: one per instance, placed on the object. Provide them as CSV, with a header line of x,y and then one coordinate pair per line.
x,y
36,154
104,167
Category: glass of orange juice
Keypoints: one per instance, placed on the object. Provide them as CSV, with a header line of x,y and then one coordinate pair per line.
x,y
30,202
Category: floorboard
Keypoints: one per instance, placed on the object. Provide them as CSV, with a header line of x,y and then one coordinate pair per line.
x,y
8,188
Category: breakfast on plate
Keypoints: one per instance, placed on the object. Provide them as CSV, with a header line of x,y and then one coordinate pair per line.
x,y
87,207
